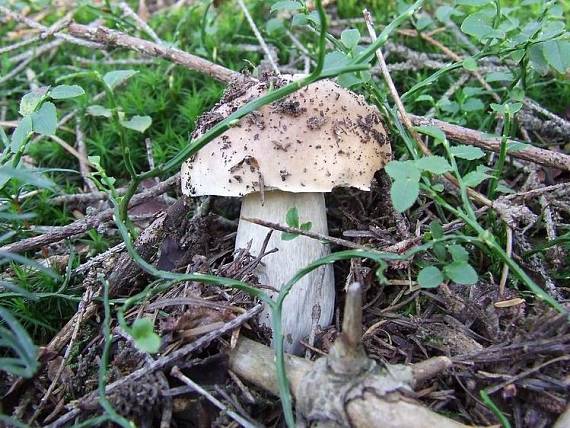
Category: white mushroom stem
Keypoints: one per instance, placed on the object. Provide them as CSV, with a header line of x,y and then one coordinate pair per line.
x,y
311,301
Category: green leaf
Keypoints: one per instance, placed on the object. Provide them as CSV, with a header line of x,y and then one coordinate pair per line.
x,y
440,252
461,272
507,108
274,25
499,108
335,59
432,131
292,220
430,277
63,92
443,13
472,2
513,108
21,133
557,54
137,123
509,24
404,194
537,59
314,17
146,340
44,121
30,176
478,25
433,164
286,5
292,217
470,91
467,152
99,111
470,64
472,104
503,188
458,253
424,97
348,80
555,10
423,22
436,229
403,170
406,187
474,178
31,100
448,106
287,236
517,94
114,78
95,161
499,76
552,29
517,146
299,20
350,38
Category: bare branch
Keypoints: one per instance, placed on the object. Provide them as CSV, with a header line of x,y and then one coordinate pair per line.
x,y
110,37
493,143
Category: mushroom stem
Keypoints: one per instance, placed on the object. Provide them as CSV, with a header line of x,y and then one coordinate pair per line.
x,y
311,301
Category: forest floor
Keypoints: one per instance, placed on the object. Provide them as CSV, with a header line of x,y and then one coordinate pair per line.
x,y
112,278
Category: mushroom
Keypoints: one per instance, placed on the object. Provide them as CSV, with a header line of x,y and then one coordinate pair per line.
x,y
288,154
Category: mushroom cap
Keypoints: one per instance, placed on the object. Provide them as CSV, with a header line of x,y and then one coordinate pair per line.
x,y
318,138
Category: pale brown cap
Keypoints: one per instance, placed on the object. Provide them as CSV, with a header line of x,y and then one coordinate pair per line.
x,y
320,137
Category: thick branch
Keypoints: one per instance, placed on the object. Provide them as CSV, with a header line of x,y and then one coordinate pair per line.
x,y
492,143
255,363
115,38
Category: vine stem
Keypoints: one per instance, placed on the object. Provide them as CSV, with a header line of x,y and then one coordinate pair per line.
x,y
502,155
103,401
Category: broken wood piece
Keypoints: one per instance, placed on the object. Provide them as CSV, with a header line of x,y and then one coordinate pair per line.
x,y
255,363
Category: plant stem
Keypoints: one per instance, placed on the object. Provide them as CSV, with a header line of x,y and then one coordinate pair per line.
x,y
502,156
113,415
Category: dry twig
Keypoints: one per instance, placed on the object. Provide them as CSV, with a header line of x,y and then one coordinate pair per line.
x,y
139,22
81,226
161,363
258,36
110,37
493,143
36,25
85,301
175,372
